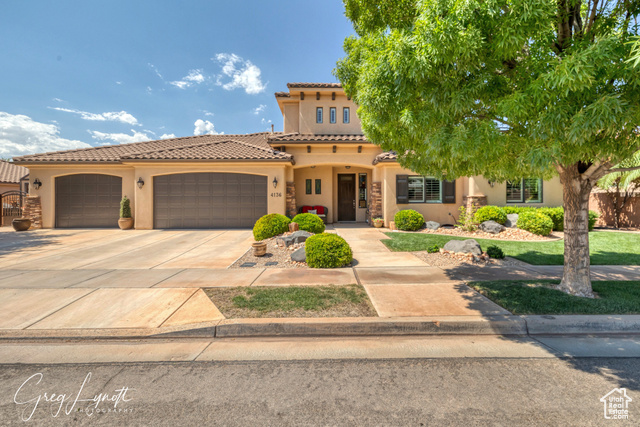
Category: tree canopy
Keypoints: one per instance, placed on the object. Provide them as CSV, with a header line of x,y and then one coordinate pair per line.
x,y
501,88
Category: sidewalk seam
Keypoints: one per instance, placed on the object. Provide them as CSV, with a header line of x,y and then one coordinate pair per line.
x,y
64,306
179,307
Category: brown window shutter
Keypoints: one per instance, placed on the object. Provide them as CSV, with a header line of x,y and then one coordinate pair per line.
x,y
402,189
449,191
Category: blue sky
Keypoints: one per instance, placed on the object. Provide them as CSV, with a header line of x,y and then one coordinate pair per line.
x,y
80,73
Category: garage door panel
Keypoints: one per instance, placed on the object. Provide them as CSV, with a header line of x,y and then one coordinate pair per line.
x,y
87,200
209,200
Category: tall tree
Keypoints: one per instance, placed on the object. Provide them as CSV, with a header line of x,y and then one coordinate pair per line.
x,y
501,88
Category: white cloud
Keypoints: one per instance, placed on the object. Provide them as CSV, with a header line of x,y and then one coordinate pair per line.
x,y
57,100
244,74
265,121
167,136
195,77
208,113
118,83
119,138
155,70
205,127
259,109
20,135
112,116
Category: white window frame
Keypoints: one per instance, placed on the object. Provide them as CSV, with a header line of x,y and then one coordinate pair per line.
x,y
346,115
424,189
319,114
332,115
522,197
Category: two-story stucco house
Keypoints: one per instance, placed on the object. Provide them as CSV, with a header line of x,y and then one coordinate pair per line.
x,y
321,159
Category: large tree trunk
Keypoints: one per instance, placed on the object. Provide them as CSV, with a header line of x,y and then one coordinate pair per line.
x,y
576,278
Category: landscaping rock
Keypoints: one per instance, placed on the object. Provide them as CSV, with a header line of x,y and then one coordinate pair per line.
x,y
491,227
297,237
299,255
465,246
432,225
512,220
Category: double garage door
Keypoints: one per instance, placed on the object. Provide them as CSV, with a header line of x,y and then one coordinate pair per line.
x,y
208,200
193,200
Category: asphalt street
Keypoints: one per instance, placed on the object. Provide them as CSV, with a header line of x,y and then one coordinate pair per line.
x,y
402,392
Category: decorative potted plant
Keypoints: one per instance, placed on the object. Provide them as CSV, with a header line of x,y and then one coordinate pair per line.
x,y
125,222
21,224
259,248
378,222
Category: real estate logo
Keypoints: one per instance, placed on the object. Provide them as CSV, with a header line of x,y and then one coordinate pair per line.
x,y
616,404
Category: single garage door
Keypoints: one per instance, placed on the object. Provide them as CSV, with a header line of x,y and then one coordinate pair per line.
x,y
208,200
88,201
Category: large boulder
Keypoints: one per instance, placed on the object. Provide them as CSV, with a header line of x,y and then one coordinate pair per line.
x,y
469,246
491,227
297,237
432,225
299,255
512,220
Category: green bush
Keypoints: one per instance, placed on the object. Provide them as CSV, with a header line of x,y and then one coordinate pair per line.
x,y
517,209
409,220
269,226
495,252
125,207
556,215
309,222
433,249
490,213
535,222
593,217
327,251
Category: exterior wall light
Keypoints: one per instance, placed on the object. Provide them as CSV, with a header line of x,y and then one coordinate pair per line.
x,y
37,183
491,183
347,167
140,183
275,182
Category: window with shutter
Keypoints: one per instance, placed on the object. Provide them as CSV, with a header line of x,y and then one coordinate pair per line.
x,y
449,191
402,189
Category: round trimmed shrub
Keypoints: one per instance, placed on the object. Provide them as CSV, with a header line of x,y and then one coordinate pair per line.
x,y
270,225
535,222
409,220
490,213
556,215
593,217
495,252
327,251
433,249
309,222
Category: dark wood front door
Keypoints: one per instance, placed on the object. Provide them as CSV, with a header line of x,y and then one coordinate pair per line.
x,y
346,197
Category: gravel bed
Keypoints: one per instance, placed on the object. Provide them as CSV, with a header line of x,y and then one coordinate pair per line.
x,y
276,257
514,234
447,260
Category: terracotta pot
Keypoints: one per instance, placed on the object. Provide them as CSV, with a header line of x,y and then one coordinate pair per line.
x,y
125,223
377,224
259,248
294,226
21,224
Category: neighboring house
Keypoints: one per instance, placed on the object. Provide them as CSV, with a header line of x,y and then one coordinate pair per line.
x,y
219,181
13,177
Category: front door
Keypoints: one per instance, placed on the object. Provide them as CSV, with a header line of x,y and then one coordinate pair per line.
x,y
346,197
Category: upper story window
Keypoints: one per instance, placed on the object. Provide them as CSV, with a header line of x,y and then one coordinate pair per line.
x,y
424,189
526,190
345,115
332,114
319,115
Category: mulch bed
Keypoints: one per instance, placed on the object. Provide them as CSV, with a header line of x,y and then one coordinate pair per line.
x,y
340,307
453,260
514,234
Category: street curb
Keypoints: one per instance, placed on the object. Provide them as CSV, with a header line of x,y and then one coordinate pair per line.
x,y
582,324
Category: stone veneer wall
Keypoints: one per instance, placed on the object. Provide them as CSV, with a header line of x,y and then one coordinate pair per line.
x,y
478,201
33,211
291,199
375,202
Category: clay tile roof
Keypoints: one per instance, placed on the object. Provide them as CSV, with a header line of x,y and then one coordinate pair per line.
x,y
297,137
10,173
314,85
204,147
387,156
283,95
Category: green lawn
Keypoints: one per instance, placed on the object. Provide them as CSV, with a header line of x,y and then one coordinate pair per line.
x,y
535,297
607,248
